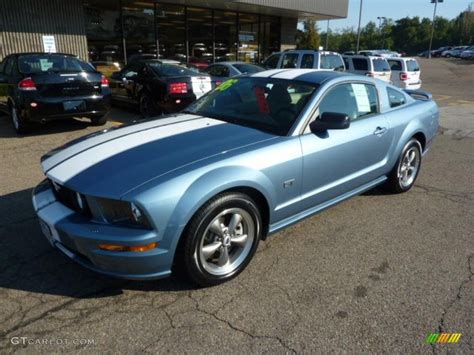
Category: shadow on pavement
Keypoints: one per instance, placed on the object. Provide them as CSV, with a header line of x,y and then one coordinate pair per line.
x,y
28,262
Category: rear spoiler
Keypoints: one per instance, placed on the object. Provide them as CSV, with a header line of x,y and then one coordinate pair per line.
x,y
419,94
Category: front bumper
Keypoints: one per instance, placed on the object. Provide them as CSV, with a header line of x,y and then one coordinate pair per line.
x,y
52,108
78,238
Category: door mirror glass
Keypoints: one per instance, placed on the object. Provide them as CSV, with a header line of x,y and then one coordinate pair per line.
x,y
330,120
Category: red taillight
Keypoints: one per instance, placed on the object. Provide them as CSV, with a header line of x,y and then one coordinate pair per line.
x,y
218,82
27,84
178,88
104,82
403,76
371,74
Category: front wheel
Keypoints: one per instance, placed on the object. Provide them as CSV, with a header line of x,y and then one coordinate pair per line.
x,y
221,239
404,174
99,121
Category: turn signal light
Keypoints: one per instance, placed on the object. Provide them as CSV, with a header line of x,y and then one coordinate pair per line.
x,y
27,84
136,248
178,88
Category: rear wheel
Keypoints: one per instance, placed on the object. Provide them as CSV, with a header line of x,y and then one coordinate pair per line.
x,y
18,121
404,174
99,121
221,239
146,106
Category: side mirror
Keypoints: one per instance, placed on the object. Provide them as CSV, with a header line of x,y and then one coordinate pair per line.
x,y
330,120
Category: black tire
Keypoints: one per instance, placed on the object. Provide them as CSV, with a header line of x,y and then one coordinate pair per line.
x,y
146,106
207,271
99,121
18,121
396,183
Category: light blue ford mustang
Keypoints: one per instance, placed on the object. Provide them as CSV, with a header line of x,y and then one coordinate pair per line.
x,y
198,190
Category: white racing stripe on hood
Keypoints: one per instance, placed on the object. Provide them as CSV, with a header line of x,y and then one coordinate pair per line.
x,y
101,138
87,158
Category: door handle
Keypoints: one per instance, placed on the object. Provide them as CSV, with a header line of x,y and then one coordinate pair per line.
x,y
380,130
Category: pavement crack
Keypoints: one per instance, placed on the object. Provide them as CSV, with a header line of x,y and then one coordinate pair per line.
x,y
240,330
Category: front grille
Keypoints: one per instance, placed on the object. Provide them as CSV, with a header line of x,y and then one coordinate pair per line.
x,y
68,198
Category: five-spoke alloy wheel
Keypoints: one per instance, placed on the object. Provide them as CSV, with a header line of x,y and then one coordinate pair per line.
x,y
222,238
403,176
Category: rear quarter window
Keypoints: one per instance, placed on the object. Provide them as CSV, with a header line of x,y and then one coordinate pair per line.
x,y
412,65
331,61
395,98
360,64
380,65
395,65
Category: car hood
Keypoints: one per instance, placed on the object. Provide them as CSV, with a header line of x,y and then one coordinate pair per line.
x,y
112,162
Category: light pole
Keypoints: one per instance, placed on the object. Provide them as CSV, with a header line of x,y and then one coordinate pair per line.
x,y
327,37
358,30
433,24
382,18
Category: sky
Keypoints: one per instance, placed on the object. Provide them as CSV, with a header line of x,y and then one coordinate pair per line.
x,y
395,9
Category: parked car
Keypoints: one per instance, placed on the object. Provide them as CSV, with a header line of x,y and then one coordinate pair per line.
x,y
437,52
454,52
424,54
468,53
198,191
376,67
222,71
310,59
405,73
42,87
157,87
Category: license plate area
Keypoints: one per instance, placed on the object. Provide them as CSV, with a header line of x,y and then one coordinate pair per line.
x,y
201,85
76,105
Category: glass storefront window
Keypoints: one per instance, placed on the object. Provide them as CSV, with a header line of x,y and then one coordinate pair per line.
x,y
200,37
248,38
269,36
171,31
138,18
103,30
225,34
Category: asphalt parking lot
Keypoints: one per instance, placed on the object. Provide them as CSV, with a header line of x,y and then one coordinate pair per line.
x,y
377,273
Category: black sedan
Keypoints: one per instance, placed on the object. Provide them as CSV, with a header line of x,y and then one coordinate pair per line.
x,y
39,87
157,87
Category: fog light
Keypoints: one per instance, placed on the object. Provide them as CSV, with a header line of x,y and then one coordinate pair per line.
x,y
136,248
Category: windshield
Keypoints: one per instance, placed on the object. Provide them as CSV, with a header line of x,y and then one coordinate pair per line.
x,y
170,69
270,105
43,63
248,68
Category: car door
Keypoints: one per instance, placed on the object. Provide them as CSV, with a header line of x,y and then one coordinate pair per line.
x,y
122,84
340,161
3,86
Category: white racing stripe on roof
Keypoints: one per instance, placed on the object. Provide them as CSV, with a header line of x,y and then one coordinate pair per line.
x,y
293,73
113,134
88,158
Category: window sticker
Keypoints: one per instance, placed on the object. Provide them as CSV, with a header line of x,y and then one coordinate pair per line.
x,y
45,64
226,84
362,98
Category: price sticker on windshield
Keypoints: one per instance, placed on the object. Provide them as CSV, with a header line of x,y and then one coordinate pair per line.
x,y
226,84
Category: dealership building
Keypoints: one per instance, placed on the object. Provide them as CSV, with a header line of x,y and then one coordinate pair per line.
x,y
186,30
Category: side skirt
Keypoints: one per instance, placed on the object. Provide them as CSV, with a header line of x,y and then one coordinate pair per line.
x,y
313,210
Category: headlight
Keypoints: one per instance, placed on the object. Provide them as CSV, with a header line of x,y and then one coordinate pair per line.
x,y
117,212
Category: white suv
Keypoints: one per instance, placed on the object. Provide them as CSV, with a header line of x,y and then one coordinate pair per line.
x,y
375,67
305,59
405,73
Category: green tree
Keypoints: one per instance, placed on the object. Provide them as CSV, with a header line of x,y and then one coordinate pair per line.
x,y
308,38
